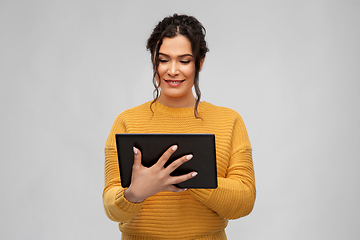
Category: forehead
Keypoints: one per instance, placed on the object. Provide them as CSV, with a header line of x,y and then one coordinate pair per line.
x,y
176,46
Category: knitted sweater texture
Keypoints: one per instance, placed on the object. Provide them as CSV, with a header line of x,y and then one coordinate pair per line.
x,y
194,213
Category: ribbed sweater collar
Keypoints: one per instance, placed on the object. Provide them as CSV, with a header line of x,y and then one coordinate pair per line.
x,y
178,112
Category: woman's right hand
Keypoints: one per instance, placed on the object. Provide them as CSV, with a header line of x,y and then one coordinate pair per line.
x,y
146,182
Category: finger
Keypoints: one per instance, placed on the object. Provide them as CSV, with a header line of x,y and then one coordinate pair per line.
x,y
182,178
167,154
137,157
174,165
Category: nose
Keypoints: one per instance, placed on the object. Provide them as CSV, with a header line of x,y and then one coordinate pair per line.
x,y
173,69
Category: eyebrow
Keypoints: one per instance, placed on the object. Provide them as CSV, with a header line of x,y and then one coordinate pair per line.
x,y
184,55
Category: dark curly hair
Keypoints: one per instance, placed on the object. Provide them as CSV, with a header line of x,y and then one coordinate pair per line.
x,y
173,26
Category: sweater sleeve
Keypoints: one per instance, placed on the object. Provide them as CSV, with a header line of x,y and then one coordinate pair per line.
x,y
117,208
235,195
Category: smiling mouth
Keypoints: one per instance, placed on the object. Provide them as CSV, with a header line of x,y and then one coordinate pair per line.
x,y
174,81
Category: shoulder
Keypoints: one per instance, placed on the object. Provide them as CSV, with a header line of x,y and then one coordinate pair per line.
x,y
219,111
141,109
229,119
134,112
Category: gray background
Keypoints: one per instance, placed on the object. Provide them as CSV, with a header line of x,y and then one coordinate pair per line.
x,y
290,68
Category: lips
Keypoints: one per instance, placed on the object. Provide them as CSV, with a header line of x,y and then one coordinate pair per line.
x,y
174,83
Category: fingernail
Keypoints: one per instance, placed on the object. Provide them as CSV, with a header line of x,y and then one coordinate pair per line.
x,y
190,156
174,148
194,174
184,189
135,150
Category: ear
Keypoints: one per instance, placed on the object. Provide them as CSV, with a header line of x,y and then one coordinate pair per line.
x,y
201,63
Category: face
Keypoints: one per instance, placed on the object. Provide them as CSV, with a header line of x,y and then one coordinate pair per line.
x,y
176,72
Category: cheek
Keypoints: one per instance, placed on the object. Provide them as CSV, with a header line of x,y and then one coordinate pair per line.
x,y
189,71
160,74
161,70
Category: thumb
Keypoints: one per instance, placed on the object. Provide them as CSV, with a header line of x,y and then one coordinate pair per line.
x,y
137,157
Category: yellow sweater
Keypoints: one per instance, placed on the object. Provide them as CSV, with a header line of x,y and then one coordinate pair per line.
x,y
194,213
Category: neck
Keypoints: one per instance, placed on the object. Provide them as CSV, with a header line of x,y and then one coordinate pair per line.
x,y
181,102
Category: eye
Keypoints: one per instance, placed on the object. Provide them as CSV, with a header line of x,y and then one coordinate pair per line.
x,y
185,62
163,60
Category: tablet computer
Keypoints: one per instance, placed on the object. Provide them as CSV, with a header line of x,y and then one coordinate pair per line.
x,y
152,147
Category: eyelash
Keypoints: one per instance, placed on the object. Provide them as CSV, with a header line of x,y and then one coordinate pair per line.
x,y
165,61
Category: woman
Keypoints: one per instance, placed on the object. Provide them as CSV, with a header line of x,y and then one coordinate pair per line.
x,y
152,207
